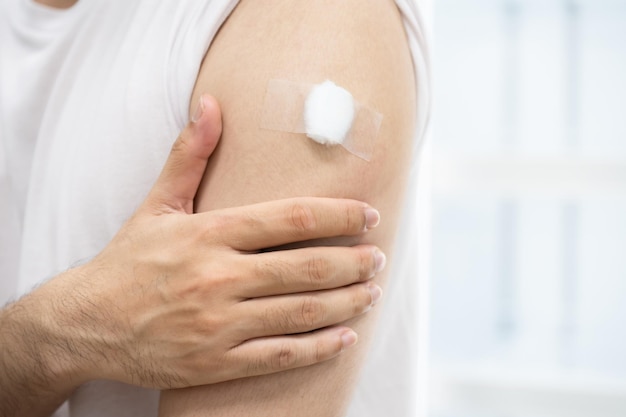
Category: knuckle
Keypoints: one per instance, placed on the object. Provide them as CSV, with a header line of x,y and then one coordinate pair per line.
x,y
365,264
318,270
189,290
285,357
209,325
349,220
312,312
302,218
223,280
181,145
354,221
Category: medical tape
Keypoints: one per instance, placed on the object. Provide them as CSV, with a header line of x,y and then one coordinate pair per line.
x,y
289,107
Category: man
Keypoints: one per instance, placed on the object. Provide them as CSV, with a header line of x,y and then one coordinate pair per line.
x,y
151,54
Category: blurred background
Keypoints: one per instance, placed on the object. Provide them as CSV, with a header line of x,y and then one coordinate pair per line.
x,y
528,242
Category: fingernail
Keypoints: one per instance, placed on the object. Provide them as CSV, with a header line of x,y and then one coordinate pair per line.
x,y
372,218
349,338
380,259
376,292
199,110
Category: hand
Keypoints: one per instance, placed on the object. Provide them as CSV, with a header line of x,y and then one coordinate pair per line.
x,y
180,299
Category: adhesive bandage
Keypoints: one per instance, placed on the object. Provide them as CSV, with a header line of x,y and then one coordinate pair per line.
x,y
325,112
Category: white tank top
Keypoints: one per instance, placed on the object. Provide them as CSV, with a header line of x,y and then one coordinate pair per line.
x,y
90,100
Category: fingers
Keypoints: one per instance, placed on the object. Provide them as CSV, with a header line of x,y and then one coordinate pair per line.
x,y
299,313
280,222
275,354
178,183
310,269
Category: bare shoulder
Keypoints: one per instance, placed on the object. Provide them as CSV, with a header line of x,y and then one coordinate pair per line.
x,y
360,45
309,38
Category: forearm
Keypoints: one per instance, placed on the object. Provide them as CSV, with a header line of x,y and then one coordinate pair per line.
x,y
36,369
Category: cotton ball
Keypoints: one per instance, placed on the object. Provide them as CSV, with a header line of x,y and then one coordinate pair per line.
x,y
328,113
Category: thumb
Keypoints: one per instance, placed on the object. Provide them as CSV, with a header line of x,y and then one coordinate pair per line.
x,y
178,183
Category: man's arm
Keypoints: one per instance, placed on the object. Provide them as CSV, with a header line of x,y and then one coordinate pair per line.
x,y
34,380
169,303
362,47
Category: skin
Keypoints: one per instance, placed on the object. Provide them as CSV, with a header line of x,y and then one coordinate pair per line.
x,y
179,299
360,46
57,4
379,74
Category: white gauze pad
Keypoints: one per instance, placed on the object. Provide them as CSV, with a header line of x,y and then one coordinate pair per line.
x,y
328,113
325,112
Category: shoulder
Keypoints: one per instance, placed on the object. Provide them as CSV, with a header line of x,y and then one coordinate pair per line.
x,y
359,45
352,40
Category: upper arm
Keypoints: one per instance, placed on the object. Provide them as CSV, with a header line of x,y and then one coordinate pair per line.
x,y
362,47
